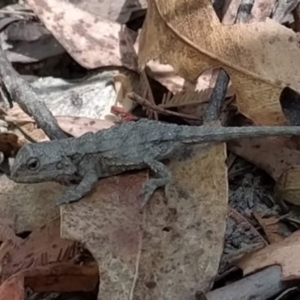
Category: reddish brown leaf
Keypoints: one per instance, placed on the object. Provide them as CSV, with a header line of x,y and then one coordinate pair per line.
x,y
62,277
42,247
13,288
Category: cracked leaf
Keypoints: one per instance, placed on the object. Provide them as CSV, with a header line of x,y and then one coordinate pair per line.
x,y
259,57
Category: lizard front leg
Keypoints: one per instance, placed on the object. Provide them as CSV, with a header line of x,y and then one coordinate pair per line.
x,y
86,184
163,178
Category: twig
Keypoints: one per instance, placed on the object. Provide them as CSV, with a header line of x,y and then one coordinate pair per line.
x,y
217,97
149,105
4,11
147,93
21,92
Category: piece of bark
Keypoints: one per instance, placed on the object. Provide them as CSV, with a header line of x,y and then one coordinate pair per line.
x,y
262,285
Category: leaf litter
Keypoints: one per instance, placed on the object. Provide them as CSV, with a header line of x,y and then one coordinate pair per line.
x,y
175,248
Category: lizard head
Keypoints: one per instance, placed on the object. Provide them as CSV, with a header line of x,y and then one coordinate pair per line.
x,y
45,161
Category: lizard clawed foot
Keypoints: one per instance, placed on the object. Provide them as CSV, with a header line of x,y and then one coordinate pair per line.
x,y
84,187
68,197
164,178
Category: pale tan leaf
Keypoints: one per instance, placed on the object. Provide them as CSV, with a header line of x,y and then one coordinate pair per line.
x,y
258,57
270,226
275,155
33,204
91,40
173,249
76,126
117,10
284,253
288,186
166,75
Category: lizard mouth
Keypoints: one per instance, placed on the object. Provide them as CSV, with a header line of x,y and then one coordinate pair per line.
x,y
67,181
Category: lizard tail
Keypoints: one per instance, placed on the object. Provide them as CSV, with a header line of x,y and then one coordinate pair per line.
x,y
214,134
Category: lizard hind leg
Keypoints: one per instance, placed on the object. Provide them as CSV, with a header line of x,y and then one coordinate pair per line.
x,y
163,178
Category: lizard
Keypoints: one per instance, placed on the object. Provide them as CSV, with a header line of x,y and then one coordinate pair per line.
x,y
124,147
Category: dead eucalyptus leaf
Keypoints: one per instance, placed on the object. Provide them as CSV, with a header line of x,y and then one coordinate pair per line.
x,y
33,204
287,186
117,10
77,126
258,57
44,246
284,253
275,155
91,40
271,228
174,247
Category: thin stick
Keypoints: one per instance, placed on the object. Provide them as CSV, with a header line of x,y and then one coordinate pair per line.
x,y
217,97
147,104
21,92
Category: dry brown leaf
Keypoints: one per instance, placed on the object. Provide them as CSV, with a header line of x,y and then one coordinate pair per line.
x,y
287,186
174,83
258,57
33,204
13,288
7,233
117,10
16,113
10,142
270,226
284,253
175,251
6,247
279,157
42,247
91,40
273,154
22,127
62,277
77,126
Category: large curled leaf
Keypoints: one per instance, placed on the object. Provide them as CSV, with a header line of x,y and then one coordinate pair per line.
x,y
259,57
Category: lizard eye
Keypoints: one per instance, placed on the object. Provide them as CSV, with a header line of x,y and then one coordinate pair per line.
x,y
33,164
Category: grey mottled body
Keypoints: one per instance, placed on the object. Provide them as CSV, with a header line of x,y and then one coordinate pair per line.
x,y
125,147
